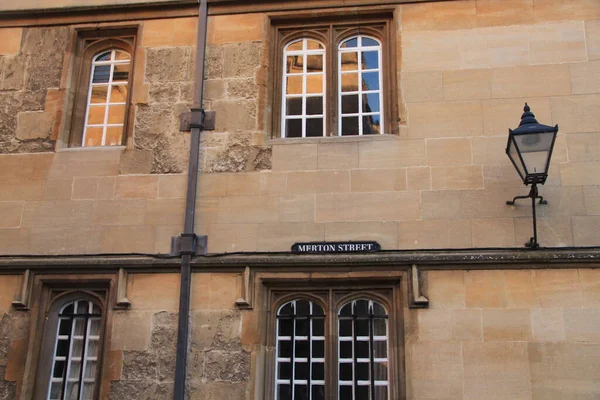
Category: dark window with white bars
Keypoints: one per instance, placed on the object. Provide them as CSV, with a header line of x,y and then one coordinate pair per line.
x,y
361,355
76,352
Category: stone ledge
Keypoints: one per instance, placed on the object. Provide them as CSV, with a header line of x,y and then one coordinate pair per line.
x,y
331,139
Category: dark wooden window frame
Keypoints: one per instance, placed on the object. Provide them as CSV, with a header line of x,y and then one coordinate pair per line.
x,y
49,293
89,43
331,295
331,28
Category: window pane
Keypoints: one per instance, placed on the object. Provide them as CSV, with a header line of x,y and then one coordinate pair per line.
x,y
55,390
116,114
380,371
101,74
284,370
96,115
362,327
318,350
88,391
379,327
349,61
300,392
345,371
362,392
301,370
294,64
65,326
302,308
93,137
314,63
346,327
114,135
285,349
99,94
313,45
346,350
370,60
302,348
350,104
361,308
286,326
318,327
371,125
314,127
121,55
62,347
314,105
318,392
350,43
59,369
346,392
381,393
296,46
362,349
293,128
380,349
293,106
121,72
302,327
118,94
314,84
362,371
371,102
318,371
284,392
370,81
350,126
350,82
368,42
294,85
103,56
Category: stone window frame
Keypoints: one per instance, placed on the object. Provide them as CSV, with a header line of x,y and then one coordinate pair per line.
x,y
330,29
49,293
331,294
88,43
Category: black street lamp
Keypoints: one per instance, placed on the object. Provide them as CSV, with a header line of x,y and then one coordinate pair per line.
x,y
529,148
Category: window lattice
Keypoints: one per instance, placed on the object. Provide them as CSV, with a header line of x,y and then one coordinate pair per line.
x,y
300,351
76,352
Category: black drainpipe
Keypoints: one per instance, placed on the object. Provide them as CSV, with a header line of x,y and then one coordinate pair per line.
x,y
188,243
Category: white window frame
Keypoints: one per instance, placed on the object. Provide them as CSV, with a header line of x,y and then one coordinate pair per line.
x,y
112,62
305,52
360,92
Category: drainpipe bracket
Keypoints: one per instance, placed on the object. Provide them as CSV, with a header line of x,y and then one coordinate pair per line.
x,y
197,118
188,244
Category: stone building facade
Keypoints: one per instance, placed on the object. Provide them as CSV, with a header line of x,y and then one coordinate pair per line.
x,y
85,231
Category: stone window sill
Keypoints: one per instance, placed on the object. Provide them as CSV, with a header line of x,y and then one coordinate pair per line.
x,y
331,139
92,148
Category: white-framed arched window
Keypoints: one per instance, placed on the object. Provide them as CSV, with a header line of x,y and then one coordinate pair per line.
x,y
107,98
75,362
363,364
304,89
300,351
360,81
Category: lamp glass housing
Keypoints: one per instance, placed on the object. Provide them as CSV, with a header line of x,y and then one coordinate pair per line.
x,y
530,153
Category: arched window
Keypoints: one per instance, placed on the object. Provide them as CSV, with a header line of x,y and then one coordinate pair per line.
x,y
359,80
107,98
363,351
75,358
303,99
300,351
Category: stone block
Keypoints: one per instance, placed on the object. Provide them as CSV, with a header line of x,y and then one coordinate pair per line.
x,y
435,233
13,73
585,77
384,233
580,174
564,370
553,231
168,64
90,188
377,180
391,154
215,89
422,86
576,114
172,186
485,289
318,182
9,285
435,370
505,177
272,183
229,238
434,325
212,185
17,357
281,236
506,325
236,115
128,239
561,10
119,212
235,28
97,162
557,288
11,214
590,286
214,62
418,178
449,152
248,209
493,47
434,16
379,206
557,43
131,330
167,284
430,50
242,59
519,289
163,92
493,232
454,178
14,241
490,150
584,147
496,370
243,184
531,81
509,12
58,213
34,125
446,289
592,39
337,155
467,84
11,40
58,189
466,325
445,119
215,291
502,114
441,204
295,157
66,240
163,235
297,208
547,324
242,89
217,390
136,162
137,187
170,32
164,212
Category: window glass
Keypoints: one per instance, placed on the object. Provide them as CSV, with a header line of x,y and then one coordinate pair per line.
x,y
300,351
107,97
76,352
